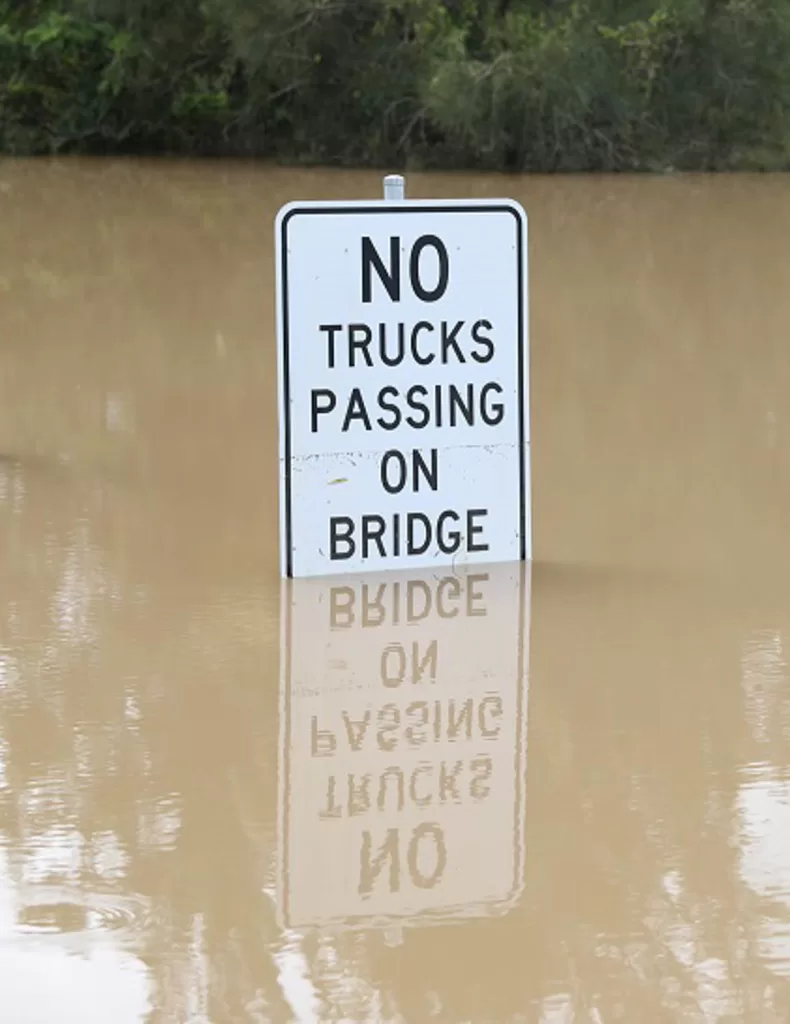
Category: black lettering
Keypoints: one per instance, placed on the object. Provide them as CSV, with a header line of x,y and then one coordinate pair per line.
x,y
394,471
372,532
422,360
393,485
457,402
336,538
359,338
389,278
322,400
491,417
480,339
331,330
450,341
451,543
412,518
356,411
411,401
422,243
387,406
472,529
387,359
421,468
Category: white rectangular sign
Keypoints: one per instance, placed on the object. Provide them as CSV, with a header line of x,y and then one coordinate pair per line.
x,y
403,385
403,746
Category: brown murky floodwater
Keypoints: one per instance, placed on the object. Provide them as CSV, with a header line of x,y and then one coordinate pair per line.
x,y
552,797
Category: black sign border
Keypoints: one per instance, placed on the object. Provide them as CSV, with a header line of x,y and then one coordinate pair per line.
x,y
388,209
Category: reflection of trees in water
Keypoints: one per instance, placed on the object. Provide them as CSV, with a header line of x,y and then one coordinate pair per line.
x,y
137,702
637,907
134,758
138,761
641,770
134,765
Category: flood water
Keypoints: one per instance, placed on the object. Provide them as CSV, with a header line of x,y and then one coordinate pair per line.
x,y
557,796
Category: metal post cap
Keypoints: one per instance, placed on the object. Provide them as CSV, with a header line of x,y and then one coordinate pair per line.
x,y
394,187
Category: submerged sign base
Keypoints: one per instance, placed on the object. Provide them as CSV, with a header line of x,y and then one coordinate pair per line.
x,y
404,385
403,747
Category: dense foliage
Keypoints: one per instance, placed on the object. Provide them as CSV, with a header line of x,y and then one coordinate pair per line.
x,y
517,84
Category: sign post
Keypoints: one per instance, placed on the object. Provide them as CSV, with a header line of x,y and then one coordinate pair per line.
x,y
403,360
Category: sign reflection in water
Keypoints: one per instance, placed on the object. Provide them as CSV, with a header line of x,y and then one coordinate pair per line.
x,y
403,746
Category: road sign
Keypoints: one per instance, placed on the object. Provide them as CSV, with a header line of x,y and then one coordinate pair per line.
x,y
403,385
403,747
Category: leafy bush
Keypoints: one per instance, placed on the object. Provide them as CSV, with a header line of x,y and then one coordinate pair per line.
x,y
72,79
571,87
520,84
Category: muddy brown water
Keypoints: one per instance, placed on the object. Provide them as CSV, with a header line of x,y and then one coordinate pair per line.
x,y
558,795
